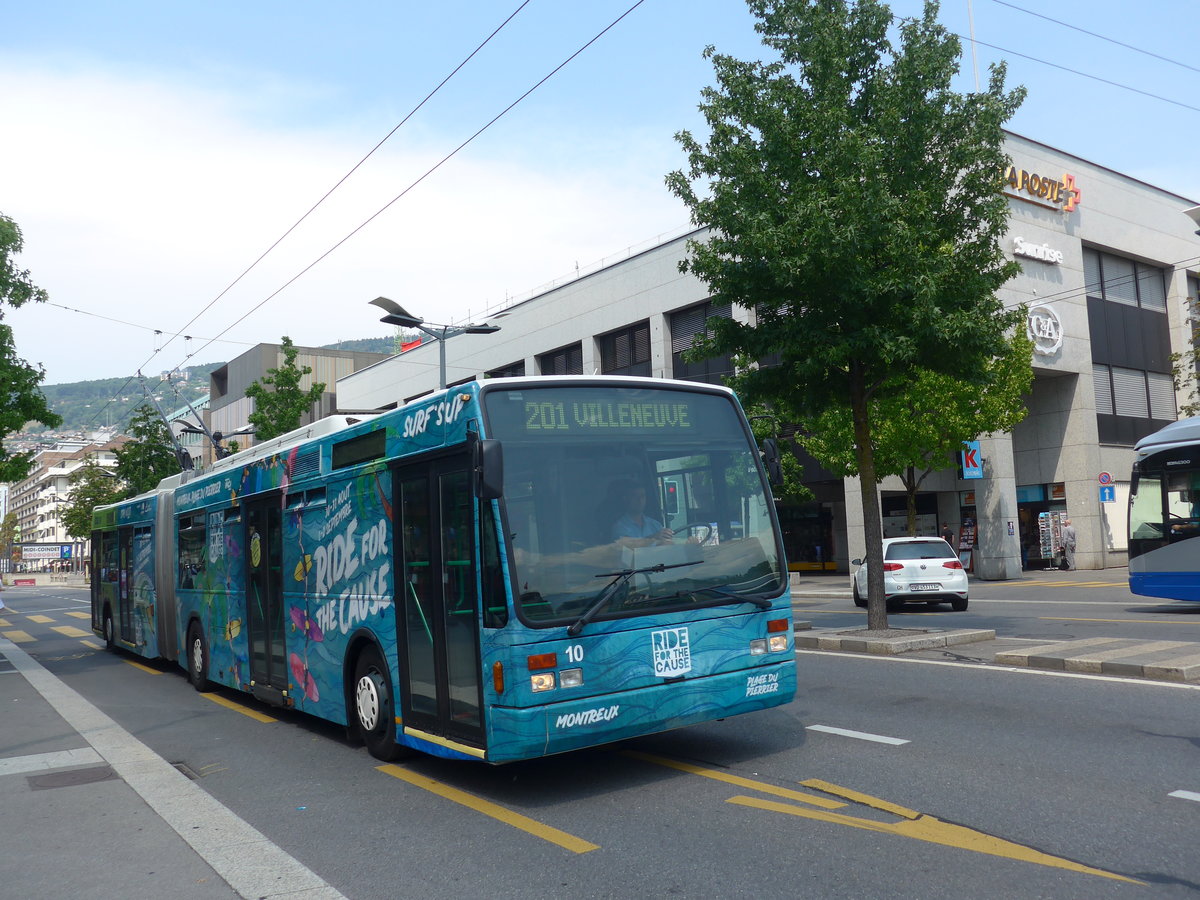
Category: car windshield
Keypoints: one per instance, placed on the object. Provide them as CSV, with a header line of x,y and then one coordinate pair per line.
x,y
934,548
662,485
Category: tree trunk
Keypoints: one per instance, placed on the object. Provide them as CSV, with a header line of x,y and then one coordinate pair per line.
x,y
872,523
910,487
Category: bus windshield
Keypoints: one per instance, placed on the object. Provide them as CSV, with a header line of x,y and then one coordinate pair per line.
x,y
638,499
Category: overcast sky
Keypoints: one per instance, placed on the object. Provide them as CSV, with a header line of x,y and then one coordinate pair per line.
x,y
152,151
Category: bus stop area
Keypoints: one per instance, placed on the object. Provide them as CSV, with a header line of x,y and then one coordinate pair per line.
x,y
90,811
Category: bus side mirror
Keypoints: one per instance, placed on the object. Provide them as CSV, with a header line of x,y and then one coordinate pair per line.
x,y
770,455
488,464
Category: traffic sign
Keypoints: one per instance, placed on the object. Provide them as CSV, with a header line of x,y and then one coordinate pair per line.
x,y
1108,493
1106,478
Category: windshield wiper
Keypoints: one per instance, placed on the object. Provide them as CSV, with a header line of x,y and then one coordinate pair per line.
x,y
760,602
610,589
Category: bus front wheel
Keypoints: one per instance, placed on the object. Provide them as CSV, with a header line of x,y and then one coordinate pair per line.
x,y
197,659
374,710
109,635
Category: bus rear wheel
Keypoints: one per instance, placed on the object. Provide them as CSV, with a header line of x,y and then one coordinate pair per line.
x,y
374,709
109,635
197,659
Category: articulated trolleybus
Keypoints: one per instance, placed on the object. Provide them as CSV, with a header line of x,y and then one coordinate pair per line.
x,y
499,571
1164,513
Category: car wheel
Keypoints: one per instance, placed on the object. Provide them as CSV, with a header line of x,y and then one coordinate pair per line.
x,y
959,605
858,598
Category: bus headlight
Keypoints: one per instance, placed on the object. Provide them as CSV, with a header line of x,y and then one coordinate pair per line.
x,y
758,647
541,681
569,678
777,643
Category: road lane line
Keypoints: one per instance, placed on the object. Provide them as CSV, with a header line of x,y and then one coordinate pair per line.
x,y
236,707
735,780
1161,621
70,631
251,864
860,735
143,667
1185,795
493,810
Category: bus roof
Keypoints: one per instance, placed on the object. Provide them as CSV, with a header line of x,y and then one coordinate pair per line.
x,y
1178,434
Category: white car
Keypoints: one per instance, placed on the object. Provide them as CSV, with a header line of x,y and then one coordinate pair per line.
x,y
915,570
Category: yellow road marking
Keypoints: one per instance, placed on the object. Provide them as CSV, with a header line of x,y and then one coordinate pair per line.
x,y
495,811
735,780
926,828
1122,621
80,615
70,631
92,644
237,707
138,665
4,623
18,637
41,620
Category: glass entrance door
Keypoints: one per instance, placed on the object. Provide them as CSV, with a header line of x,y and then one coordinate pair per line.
x,y
438,614
264,592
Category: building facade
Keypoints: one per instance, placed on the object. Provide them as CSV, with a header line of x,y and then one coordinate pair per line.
x,y
1108,264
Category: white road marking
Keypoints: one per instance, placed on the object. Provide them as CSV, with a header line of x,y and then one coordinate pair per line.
x,y
860,735
1185,795
38,762
1008,670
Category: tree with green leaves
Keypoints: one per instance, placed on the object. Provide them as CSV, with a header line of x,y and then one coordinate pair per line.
x,y
148,456
279,401
920,425
854,205
19,381
92,485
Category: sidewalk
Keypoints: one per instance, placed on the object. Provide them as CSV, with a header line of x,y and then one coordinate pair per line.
x,y
90,811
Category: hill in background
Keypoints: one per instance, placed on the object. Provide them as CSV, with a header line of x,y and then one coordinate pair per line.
x,y
109,402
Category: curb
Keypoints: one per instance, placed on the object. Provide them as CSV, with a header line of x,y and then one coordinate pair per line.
x,y
1176,661
861,642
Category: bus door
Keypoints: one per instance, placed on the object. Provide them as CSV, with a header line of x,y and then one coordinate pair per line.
x,y
263,551
125,585
436,603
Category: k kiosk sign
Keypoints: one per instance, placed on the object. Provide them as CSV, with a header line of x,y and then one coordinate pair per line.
x,y
972,461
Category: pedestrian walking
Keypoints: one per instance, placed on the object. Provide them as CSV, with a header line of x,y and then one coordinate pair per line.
x,y
948,534
1068,544
2,607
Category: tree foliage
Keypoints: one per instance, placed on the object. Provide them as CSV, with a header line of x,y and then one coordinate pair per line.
x,y
1185,365
92,485
855,207
279,402
148,456
20,399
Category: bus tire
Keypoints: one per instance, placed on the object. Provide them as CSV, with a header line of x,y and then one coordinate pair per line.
x,y
197,659
373,709
110,638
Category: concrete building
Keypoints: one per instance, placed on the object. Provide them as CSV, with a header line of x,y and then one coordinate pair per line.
x,y
229,408
1108,264
37,500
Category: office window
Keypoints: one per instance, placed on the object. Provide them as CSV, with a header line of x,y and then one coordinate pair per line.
x,y
512,370
564,361
1125,281
688,324
627,351
1131,403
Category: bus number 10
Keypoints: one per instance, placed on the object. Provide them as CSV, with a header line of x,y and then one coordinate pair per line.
x,y
545,416
575,653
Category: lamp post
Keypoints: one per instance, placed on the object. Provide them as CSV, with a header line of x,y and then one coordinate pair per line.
x,y
398,315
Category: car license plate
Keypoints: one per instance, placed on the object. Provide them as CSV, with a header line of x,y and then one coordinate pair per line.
x,y
924,587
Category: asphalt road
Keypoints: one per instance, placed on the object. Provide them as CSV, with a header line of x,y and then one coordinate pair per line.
x,y
885,778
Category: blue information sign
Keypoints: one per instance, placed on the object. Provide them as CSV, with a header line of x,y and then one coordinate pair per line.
x,y
972,462
1108,493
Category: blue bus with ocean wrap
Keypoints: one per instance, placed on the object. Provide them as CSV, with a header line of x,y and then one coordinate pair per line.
x,y
458,576
1164,513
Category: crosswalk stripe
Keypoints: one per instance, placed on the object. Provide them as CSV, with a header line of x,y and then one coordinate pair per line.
x,y
70,631
41,620
18,637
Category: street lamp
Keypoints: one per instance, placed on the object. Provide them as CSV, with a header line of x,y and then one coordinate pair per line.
x,y
398,315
